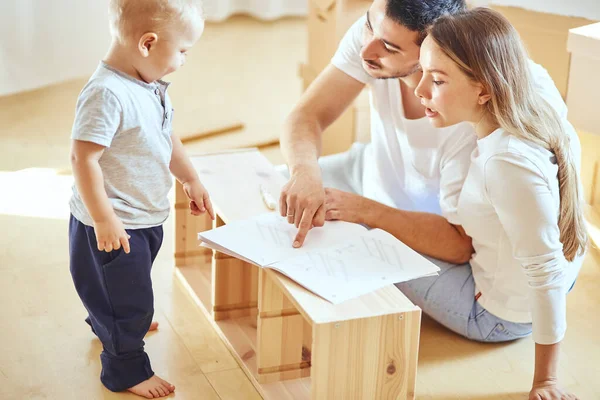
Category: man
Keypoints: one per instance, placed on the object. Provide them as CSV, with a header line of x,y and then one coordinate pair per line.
x,y
408,179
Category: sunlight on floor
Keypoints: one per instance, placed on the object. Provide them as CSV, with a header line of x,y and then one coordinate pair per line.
x,y
35,192
39,192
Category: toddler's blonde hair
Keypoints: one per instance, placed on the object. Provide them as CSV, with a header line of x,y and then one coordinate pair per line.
x,y
133,18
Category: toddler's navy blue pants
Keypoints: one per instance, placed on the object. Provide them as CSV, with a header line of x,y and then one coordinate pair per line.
x,y
116,290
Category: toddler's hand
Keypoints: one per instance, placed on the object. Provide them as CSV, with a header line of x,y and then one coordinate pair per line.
x,y
111,235
199,198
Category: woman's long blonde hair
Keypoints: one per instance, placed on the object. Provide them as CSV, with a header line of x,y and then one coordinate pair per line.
x,y
488,49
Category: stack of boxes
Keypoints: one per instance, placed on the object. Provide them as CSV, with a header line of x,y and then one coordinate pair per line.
x,y
583,98
545,36
328,21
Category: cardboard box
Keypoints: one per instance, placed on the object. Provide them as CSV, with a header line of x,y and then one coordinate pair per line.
x,y
328,21
342,133
583,96
545,36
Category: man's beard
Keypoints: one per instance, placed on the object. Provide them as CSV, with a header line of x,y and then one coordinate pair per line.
x,y
397,75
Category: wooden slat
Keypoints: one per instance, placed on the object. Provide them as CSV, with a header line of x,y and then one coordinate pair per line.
x,y
369,358
235,288
226,176
272,300
280,349
284,336
213,131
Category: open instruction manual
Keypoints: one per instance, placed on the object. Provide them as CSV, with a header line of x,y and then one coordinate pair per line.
x,y
338,262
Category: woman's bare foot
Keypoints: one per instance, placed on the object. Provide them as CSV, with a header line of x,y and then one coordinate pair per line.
x,y
153,388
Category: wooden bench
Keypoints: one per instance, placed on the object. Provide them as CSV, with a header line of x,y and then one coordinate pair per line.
x,y
291,343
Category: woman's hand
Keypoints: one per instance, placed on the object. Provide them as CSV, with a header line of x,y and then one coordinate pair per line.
x,y
549,390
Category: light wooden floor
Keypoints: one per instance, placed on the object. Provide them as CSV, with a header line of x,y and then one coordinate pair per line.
x,y
47,351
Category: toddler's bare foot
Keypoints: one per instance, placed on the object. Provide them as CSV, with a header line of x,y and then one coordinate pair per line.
x,y
153,388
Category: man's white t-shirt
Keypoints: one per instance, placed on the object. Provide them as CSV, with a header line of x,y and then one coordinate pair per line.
x,y
409,164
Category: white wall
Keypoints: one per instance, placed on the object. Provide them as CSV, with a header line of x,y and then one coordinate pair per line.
x,y
49,41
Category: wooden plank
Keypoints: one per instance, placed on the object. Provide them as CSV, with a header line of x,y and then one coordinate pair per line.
x,y
186,139
251,136
284,336
280,349
235,287
227,175
368,358
232,385
272,300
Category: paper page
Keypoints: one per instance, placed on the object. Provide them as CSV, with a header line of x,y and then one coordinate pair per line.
x,y
361,265
223,250
268,238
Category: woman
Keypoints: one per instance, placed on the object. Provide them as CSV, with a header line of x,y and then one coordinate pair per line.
x,y
520,202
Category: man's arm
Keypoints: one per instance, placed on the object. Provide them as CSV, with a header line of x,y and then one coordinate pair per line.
x,y
323,103
325,100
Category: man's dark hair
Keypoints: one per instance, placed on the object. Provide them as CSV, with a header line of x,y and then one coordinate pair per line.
x,y
419,15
